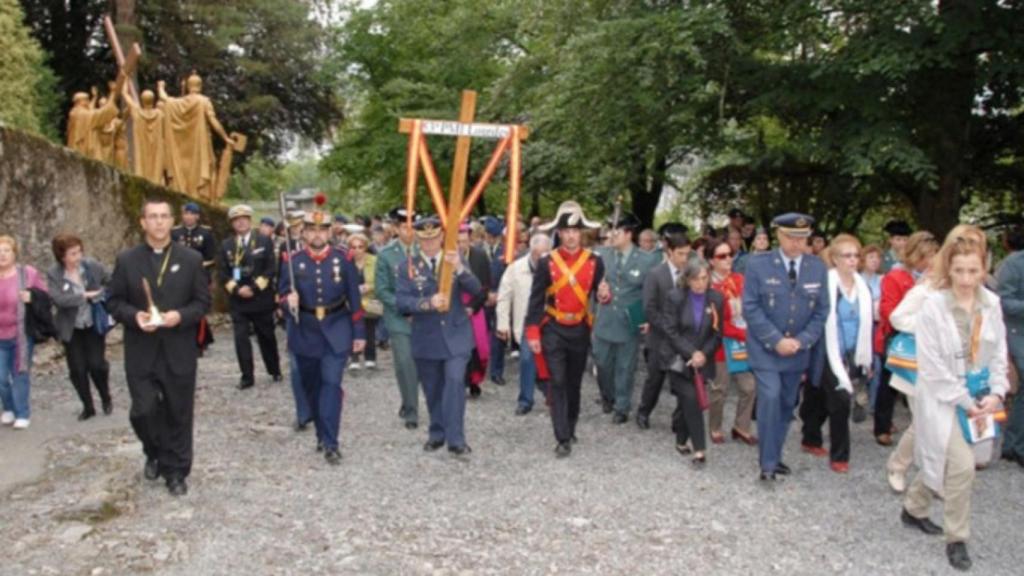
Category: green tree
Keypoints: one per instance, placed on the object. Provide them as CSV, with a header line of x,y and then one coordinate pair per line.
x,y
26,84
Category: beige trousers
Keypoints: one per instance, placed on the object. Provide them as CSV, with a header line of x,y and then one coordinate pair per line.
x,y
745,385
903,456
957,484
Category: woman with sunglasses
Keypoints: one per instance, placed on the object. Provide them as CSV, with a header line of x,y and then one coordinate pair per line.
x,y
961,383
366,263
845,359
719,254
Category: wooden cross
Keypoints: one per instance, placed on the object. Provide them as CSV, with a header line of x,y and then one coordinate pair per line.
x,y
458,207
127,65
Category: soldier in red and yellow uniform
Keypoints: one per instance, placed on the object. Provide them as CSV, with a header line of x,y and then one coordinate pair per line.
x,y
559,319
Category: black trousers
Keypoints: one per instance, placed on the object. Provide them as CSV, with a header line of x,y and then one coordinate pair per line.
x,y
263,324
370,352
688,418
86,356
652,385
565,351
885,403
161,415
822,402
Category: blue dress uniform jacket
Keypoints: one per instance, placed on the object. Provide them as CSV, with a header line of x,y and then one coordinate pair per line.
x,y
436,336
328,287
773,310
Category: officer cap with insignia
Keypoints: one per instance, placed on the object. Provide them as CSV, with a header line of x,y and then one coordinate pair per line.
x,y
399,214
296,217
627,221
493,226
794,224
898,228
318,217
268,221
191,208
569,215
239,211
428,227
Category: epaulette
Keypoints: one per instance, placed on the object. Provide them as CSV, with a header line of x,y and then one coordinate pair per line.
x,y
205,227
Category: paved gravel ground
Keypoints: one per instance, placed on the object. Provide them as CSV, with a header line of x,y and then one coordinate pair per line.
x,y
262,501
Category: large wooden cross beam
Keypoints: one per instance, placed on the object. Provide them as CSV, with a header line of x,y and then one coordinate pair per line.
x,y
458,206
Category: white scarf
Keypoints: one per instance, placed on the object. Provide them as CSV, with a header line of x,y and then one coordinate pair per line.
x,y
862,352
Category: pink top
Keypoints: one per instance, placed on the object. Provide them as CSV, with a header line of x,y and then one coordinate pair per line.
x,y
9,301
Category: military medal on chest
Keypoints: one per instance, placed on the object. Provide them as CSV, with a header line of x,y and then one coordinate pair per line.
x,y
336,268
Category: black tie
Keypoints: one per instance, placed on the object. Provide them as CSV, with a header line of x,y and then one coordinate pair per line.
x,y
433,266
792,271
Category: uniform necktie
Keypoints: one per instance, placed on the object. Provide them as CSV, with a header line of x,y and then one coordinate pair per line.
x,y
433,266
792,271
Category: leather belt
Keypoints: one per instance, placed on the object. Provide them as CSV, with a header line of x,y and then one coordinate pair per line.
x,y
322,312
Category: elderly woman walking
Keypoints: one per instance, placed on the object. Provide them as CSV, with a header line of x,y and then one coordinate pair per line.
x,y
76,283
961,382
16,283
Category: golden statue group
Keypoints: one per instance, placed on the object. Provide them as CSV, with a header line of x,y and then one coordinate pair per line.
x,y
171,137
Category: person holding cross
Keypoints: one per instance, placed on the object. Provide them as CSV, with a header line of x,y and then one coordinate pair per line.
x,y
559,319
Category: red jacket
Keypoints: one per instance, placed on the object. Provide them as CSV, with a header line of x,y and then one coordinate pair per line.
x,y
731,287
895,286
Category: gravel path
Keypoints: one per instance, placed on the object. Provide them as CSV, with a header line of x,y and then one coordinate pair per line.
x,y
262,501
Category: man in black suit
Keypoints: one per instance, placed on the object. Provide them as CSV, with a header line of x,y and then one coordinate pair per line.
x,y
662,281
160,354
247,268
480,267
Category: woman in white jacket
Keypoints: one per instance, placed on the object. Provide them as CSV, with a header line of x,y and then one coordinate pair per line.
x,y
848,355
960,333
904,319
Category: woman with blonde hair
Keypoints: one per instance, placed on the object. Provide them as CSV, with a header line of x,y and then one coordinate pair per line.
x,y
842,367
905,319
366,263
916,259
16,283
961,383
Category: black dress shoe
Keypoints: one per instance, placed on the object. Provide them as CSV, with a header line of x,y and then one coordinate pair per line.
x,y
243,384
643,421
177,486
474,391
957,554
783,470
108,407
276,377
302,426
410,425
563,450
463,450
319,446
433,445
768,477
152,469
499,380
333,457
620,418
86,414
607,406
923,524
684,449
523,410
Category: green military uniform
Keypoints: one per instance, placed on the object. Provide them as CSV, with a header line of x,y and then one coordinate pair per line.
x,y
616,336
399,327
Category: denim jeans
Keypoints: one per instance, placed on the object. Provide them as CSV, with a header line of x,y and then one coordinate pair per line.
x,y
14,388
527,373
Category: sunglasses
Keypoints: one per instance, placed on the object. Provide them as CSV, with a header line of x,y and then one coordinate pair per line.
x,y
723,256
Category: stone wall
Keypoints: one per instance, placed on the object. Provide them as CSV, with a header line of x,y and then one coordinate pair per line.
x,y
46,189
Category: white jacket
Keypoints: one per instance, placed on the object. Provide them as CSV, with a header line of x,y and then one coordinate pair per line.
x,y
514,297
941,368
862,348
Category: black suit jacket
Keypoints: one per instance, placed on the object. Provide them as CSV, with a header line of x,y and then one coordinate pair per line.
x,y
657,288
184,289
480,266
258,267
684,338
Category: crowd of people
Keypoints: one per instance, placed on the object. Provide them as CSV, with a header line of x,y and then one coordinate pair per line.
x,y
827,329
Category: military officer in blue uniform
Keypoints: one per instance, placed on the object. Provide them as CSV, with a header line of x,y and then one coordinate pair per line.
x,y
442,337
329,326
618,323
200,238
785,304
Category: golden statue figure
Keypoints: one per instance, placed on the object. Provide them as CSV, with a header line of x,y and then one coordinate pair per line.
x,y
189,119
148,137
86,124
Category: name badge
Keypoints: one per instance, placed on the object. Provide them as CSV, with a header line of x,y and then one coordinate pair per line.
x,y
236,274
